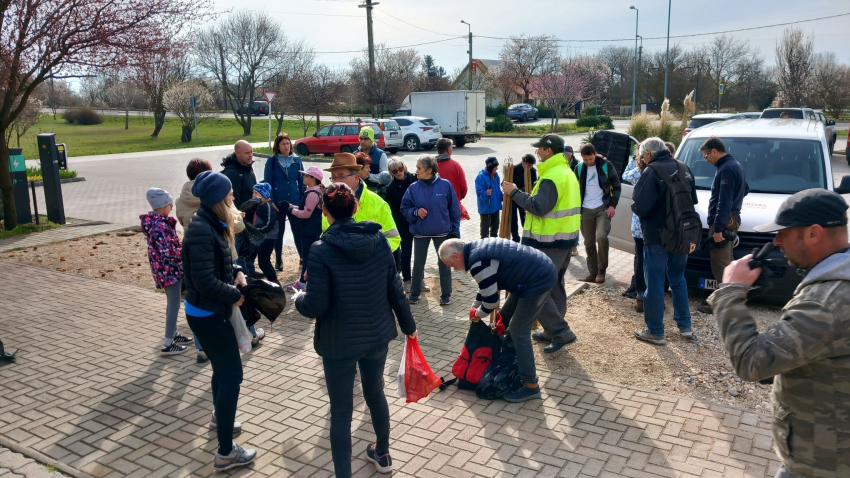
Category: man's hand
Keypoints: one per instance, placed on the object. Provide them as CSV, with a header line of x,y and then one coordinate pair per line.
x,y
414,335
422,212
739,271
718,237
610,212
240,279
473,315
508,187
240,301
489,192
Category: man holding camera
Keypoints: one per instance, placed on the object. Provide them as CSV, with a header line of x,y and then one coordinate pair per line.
x,y
724,207
808,350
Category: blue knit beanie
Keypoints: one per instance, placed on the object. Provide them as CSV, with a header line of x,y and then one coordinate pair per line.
x,y
211,187
264,189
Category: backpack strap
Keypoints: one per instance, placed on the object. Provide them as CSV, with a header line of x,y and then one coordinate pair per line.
x,y
605,169
579,167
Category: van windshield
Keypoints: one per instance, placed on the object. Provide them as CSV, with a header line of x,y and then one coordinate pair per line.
x,y
778,166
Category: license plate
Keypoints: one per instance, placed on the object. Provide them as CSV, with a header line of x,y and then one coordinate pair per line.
x,y
707,284
393,135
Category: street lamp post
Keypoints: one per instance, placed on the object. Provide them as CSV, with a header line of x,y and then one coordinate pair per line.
x,y
667,56
634,75
469,73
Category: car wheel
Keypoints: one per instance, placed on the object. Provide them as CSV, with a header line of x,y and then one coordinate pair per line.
x,y
832,146
460,142
411,143
345,149
302,150
524,118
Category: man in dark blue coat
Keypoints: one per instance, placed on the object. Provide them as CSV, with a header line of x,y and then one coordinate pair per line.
x,y
724,207
527,274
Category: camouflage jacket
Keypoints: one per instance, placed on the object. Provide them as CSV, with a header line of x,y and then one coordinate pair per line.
x,y
808,351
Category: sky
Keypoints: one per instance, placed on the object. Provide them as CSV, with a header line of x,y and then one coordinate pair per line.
x,y
339,25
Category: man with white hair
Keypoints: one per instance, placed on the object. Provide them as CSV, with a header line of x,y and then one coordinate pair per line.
x,y
650,205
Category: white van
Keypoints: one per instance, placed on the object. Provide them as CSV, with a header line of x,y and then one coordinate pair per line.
x,y
780,157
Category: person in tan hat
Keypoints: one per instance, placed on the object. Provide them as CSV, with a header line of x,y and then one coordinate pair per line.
x,y
344,169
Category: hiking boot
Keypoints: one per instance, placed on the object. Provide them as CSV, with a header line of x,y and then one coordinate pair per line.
x,y
414,299
278,266
202,357
523,394
590,278
172,349
646,336
686,332
540,337
238,456
600,278
638,305
383,463
406,286
705,308
574,251
630,293
183,340
237,427
556,346
446,300
261,334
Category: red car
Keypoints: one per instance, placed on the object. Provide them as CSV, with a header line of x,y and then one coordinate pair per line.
x,y
336,138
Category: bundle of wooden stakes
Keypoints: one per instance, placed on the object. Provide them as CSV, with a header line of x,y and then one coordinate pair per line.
x,y
505,222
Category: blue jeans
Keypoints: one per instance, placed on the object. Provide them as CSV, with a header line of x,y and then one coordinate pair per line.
x,y
658,262
241,262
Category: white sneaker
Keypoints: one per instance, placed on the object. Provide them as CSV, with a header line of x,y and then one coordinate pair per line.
x,y
261,334
406,285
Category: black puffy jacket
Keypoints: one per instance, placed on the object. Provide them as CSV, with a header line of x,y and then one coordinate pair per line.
x,y
353,291
207,266
241,177
394,194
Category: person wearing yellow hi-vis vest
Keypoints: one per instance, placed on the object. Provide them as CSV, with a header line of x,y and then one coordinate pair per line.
x,y
553,220
370,206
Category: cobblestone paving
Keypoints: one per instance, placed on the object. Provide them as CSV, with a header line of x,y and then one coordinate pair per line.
x,y
90,391
60,234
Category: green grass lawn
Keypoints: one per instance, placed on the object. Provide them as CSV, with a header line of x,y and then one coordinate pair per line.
x,y
111,137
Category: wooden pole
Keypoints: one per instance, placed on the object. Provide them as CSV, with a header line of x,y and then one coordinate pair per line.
x,y
505,223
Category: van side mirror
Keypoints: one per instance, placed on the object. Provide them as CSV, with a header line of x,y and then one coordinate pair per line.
x,y
844,187
830,123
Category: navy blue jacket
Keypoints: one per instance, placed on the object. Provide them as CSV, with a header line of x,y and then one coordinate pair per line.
x,y
523,271
438,197
727,192
286,185
650,196
493,202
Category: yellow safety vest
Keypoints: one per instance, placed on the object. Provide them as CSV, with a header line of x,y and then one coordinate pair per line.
x,y
559,227
371,207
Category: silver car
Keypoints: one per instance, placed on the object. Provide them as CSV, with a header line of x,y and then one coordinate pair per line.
x,y
780,157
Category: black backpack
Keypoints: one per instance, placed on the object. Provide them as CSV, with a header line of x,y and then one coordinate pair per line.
x,y
682,230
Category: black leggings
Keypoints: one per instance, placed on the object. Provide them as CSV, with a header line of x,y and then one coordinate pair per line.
x,y
281,228
264,258
339,377
404,253
307,240
219,342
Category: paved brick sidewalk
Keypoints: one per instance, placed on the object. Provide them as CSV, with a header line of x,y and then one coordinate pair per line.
x,y
89,390
59,234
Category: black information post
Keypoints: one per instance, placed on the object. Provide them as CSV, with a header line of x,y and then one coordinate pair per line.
x,y
18,167
50,174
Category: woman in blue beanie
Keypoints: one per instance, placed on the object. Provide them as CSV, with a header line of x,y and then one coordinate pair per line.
x,y
211,293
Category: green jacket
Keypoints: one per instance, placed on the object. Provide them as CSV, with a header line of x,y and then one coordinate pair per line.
x,y
808,352
372,208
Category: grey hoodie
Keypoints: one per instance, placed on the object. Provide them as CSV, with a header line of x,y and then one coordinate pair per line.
x,y
808,352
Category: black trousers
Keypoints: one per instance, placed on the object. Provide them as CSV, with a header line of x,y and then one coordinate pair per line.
x,y
307,240
517,214
404,253
490,224
640,280
263,253
219,342
281,228
339,378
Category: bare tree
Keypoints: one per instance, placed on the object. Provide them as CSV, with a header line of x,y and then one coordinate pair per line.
x,y
26,120
296,59
525,58
58,39
794,62
725,57
242,52
319,90
55,93
561,88
620,61
155,72
829,83
395,74
177,100
91,88
122,93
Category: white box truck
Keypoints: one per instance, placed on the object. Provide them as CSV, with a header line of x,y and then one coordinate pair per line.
x,y
461,114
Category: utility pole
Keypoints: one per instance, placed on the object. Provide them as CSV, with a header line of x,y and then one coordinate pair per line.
x,y
634,75
640,58
667,57
469,73
368,6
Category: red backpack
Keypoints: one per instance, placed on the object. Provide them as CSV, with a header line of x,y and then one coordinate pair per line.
x,y
481,348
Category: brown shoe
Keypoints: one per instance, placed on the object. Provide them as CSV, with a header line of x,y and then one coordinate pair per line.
x,y
590,278
638,305
600,278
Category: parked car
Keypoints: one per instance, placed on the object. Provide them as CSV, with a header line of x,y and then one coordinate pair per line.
x,y
806,113
780,157
392,134
336,138
418,131
746,115
257,108
698,121
523,112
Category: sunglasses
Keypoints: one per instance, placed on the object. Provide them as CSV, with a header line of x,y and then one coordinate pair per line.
x,y
396,171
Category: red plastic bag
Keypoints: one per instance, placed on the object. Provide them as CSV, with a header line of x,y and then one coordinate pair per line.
x,y
419,380
464,215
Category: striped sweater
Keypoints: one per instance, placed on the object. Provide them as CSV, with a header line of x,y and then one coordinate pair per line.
x,y
484,272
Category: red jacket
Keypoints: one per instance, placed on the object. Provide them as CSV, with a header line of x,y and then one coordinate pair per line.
x,y
451,171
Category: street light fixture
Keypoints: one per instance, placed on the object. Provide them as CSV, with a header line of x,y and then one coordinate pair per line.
x,y
667,55
469,73
634,75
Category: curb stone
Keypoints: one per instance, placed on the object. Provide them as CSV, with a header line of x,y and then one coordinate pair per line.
x,y
41,458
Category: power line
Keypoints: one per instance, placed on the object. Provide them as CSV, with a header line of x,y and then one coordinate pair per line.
x,y
415,26
684,36
389,47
